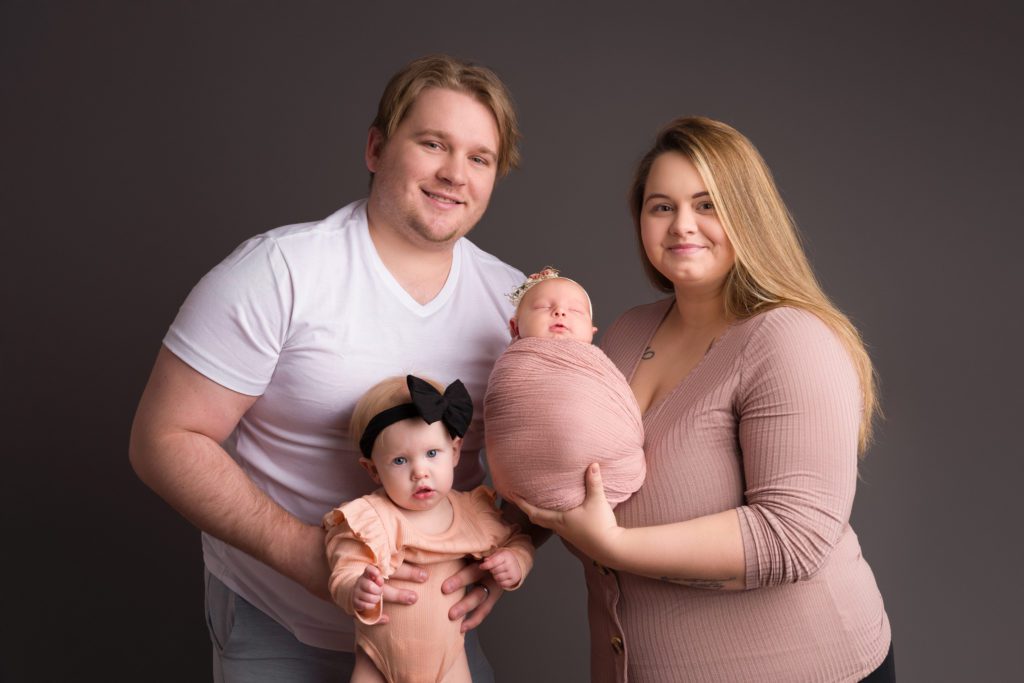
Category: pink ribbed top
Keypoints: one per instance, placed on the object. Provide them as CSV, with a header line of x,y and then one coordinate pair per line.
x,y
766,424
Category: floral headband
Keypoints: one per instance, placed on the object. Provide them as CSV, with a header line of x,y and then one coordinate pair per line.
x,y
547,273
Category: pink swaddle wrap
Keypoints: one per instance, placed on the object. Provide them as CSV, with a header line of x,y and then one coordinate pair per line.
x,y
552,408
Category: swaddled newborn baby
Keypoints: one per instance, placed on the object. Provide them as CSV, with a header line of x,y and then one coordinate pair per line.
x,y
555,403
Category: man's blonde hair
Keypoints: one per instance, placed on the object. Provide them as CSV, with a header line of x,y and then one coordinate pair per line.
x,y
443,71
388,393
771,268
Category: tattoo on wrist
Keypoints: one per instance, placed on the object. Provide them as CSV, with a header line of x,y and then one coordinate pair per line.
x,y
647,354
707,584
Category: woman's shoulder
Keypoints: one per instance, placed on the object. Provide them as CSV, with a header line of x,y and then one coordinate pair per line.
x,y
654,310
794,342
787,325
639,320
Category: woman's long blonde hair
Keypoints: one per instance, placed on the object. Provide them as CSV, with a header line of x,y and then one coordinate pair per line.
x,y
771,268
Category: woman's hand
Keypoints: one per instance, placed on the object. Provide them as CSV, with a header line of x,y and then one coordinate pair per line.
x,y
591,527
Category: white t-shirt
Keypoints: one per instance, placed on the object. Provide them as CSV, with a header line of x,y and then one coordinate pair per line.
x,y
307,317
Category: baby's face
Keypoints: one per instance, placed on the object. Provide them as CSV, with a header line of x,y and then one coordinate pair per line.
x,y
414,462
554,309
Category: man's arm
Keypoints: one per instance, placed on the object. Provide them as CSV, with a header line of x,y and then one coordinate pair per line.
x,y
182,419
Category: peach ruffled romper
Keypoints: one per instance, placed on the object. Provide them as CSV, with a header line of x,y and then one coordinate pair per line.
x,y
419,642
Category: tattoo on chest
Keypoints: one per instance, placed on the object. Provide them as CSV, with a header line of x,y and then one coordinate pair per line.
x,y
647,354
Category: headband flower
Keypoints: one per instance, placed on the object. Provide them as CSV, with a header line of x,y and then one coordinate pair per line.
x,y
547,273
517,294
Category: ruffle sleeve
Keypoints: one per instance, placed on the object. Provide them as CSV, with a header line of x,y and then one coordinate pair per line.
x,y
357,536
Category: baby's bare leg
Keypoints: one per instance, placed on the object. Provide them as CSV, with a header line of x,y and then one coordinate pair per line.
x,y
366,671
459,673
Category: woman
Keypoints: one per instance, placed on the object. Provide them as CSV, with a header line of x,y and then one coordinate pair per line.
x,y
735,561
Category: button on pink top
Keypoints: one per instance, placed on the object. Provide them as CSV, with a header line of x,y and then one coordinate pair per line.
x,y
767,425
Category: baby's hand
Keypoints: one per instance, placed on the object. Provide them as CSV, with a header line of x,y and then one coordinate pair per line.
x,y
505,569
368,590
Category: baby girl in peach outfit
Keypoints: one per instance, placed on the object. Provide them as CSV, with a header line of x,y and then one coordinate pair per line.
x,y
410,435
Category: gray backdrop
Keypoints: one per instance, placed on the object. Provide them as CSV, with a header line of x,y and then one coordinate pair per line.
x,y
143,140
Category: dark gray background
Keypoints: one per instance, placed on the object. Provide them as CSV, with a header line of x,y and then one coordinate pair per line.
x,y
142,141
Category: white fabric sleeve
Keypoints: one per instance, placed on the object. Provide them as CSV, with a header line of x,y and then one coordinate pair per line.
x,y
235,321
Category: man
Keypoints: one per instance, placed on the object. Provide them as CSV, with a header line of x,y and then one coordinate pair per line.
x,y
242,426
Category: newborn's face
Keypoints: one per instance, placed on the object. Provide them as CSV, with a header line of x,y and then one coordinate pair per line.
x,y
556,309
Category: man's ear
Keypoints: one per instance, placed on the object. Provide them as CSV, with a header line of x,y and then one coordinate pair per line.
x,y
374,146
456,450
513,328
593,331
370,468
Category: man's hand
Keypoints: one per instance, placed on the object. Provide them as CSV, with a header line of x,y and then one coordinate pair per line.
x,y
478,602
407,572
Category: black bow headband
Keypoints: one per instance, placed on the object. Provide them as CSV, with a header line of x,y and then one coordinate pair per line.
x,y
454,408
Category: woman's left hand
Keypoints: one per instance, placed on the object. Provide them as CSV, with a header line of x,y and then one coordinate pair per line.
x,y
591,527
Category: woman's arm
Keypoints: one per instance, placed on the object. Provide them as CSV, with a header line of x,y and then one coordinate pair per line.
x,y
706,552
799,408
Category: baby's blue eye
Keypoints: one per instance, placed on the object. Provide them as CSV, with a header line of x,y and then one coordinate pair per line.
x,y
432,453
400,460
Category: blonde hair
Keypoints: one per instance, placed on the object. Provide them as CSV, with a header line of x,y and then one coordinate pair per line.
x,y
771,268
442,71
388,393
